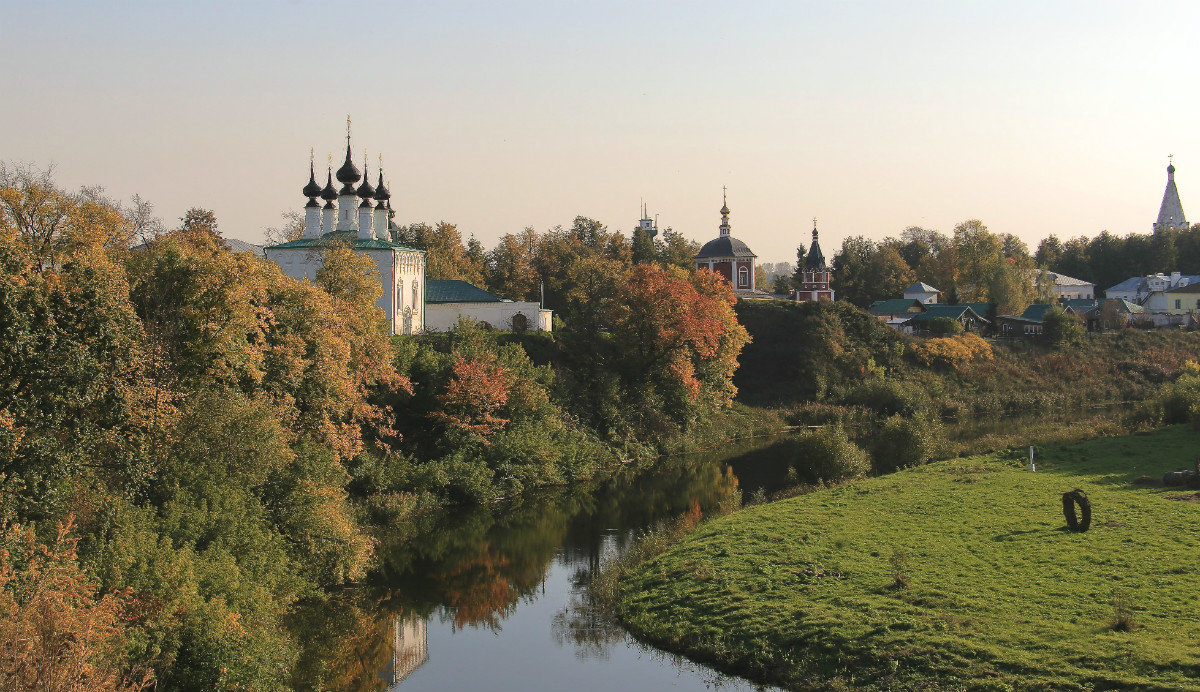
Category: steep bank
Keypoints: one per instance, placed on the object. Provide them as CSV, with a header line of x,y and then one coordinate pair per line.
x,y
955,574
834,353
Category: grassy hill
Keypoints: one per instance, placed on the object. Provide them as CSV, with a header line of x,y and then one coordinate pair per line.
x,y
999,595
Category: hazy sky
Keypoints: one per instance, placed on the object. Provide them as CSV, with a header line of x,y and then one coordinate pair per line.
x,y
1036,117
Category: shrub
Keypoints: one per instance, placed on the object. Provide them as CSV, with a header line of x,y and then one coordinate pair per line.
x,y
945,326
902,442
1180,400
885,397
832,455
953,352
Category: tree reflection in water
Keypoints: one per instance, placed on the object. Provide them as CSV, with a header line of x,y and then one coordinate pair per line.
x,y
475,568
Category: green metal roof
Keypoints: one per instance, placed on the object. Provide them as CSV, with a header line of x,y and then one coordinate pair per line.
x,y
454,291
347,237
954,312
1081,304
894,306
1036,312
981,309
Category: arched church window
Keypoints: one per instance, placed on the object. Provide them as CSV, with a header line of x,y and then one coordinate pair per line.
x,y
415,297
743,277
520,322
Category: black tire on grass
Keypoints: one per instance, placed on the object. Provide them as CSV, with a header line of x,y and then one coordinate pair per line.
x,y
1084,520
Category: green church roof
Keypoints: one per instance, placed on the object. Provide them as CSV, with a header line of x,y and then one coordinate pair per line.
x,y
454,291
348,237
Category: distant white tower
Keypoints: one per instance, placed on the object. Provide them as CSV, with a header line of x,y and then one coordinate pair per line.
x,y
1170,212
647,224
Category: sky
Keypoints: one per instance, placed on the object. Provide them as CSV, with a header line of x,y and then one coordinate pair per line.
x,y
1035,117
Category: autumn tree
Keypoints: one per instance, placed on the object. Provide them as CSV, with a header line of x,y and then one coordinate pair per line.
x,y
58,633
511,266
448,257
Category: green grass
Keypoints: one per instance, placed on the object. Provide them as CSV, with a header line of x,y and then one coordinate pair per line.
x,y
999,595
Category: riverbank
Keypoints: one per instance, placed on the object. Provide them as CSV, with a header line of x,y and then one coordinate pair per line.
x,y
954,574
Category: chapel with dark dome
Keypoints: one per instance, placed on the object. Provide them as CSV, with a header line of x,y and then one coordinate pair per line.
x,y
729,257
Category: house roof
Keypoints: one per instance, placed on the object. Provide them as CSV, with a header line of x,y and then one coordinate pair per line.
x,y
954,312
1130,284
349,237
1036,312
1189,288
920,287
1121,305
1064,280
725,246
895,306
1081,304
454,291
981,309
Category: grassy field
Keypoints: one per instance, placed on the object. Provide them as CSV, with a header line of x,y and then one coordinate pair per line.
x,y
955,575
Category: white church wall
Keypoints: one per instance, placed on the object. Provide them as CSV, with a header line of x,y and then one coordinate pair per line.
x,y
442,317
401,273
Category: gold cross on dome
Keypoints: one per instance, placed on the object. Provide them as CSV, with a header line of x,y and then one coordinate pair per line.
x,y
347,128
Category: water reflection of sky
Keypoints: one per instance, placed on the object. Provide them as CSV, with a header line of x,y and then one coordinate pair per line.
x,y
495,598
552,641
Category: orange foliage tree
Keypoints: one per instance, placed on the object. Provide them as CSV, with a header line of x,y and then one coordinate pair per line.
x,y
475,393
56,633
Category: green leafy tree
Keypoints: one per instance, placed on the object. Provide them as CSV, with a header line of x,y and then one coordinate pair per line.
x,y
1062,328
643,250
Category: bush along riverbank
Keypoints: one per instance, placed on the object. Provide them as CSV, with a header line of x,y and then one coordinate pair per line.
x,y
956,574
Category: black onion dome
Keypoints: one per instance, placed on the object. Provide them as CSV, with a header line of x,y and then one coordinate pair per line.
x,y
727,246
381,191
348,173
1170,168
329,193
365,190
312,189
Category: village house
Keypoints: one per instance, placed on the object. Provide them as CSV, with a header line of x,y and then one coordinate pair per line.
x,y
1138,289
922,292
1181,300
963,314
1066,287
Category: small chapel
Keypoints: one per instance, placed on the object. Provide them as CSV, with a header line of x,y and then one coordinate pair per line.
x,y
728,256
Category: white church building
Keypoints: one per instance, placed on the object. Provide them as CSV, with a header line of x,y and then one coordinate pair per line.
x,y
361,219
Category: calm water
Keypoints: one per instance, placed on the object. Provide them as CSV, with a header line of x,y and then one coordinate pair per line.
x,y
494,598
